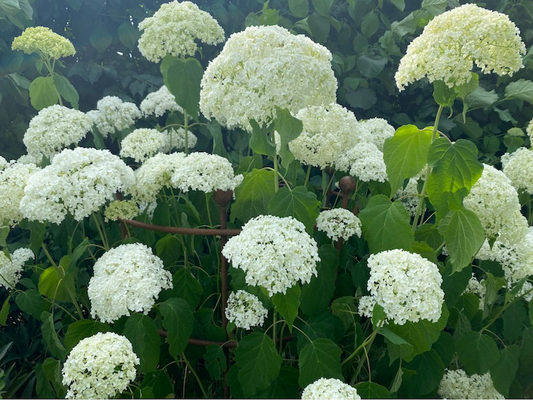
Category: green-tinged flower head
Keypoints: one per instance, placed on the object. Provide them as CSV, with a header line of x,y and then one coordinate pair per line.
x,y
43,41
123,209
453,42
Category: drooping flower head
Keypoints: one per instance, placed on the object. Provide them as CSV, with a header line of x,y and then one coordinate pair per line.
x,y
339,223
13,179
112,114
77,182
43,41
100,367
54,129
327,130
11,269
126,279
406,285
458,385
274,252
262,68
245,310
159,102
174,29
333,389
453,42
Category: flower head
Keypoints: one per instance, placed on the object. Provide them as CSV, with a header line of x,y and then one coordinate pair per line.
x,y
159,102
112,114
262,68
13,179
458,385
375,130
476,287
173,29
43,41
121,209
126,279
142,144
364,161
274,252
332,389
453,42
99,367
175,139
11,269
55,128
339,223
518,167
245,310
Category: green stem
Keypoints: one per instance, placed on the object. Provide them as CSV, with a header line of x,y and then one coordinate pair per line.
x,y
367,341
208,211
307,175
50,68
275,317
324,188
101,233
195,375
186,127
424,188
276,179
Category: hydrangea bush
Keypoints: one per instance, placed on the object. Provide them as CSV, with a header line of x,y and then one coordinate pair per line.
x,y
240,231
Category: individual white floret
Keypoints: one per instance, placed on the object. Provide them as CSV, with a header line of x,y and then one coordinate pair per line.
x,y
126,279
331,389
112,114
245,310
11,269
339,223
458,385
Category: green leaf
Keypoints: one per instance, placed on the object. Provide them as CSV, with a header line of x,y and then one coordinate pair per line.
x,y
445,347
362,97
299,8
285,386
215,361
481,98
320,325
182,78
141,331
372,390
100,38
493,284
322,7
37,230
30,302
50,336
10,6
319,26
504,372
316,295
386,225
464,236
344,309
405,154
43,92
169,249
52,371
298,203
4,233
4,312
429,372
478,352
371,66
186,286
159,383
289,128
218,140
253,195
258,361
454,283
399,4
434,7
521,89
260,141
443,95
514,320
397,346
178,321
82,329
66,90
54,286
370,24
319,359
128,35
287,304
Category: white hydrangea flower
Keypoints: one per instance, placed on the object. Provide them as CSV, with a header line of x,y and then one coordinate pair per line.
x,y
77,182
526,292
159,102
176,140
476,287
11,269
327,130
495,201
458,385
366,306
126,279
112,114
30,159
331,389
100,367
364,161
245,310
142,144
518,167
55,128
121,209
205,172
264,67
274,252
173,29
406,285
339,223
3,163
463,37
375,130
13,179
410,196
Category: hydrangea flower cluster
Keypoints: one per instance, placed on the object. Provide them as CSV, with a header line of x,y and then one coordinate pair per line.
x,y
332,389
274,252
327,131
43,41
126,278
339,223
55,128
3,163
365,161
375,130
78,182
173,29
406,285
13,179
100,367
112,114
159,102
262,68
495,201
463,37
458,385
517,167
11,269
409,195
476,287
245,310
121,209
142,144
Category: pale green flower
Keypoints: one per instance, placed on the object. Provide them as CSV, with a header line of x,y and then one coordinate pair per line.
x,y
123,209
43,41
